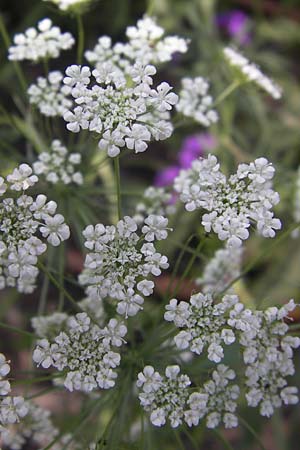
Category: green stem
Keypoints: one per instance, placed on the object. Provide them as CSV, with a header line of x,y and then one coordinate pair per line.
x,y
16,65
61,276
179,441
224,441
150,9
45,286
118,185
80,47
188,267
176,267
253,432
17,330
232,87
59,286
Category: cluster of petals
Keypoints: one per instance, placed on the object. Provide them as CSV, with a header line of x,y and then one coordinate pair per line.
x,y
49,95
195,102
66,5
221,270
252,72
146,43
121,260
203,323
217,400
124,111
155,200
12,409
35,428
164,397
83,352
233,204
22,218
168,397
267,354
58,165
45,42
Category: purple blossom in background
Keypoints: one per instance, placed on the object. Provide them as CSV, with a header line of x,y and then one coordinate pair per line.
x,y
166,176
192,147
236,24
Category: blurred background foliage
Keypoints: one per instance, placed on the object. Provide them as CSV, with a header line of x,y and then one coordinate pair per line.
x,y
251,125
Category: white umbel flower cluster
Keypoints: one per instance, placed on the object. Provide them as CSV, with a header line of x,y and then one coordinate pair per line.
x,y
49,326
36,428
125,113
203,324
268,352
147,44
120,261
45,42
233,204
50,96
164,397
217,400
252,72
66,5
12,409
58,165
22,217
156,200
195,102
221,270
83,351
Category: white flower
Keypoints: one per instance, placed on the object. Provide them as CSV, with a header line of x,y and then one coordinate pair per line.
x,y
58,165
221,270
164,397
232,204
49,95
118,106
45,42
203,324
66,5
22,219
195,102
155,228
21,178
137,137
83,351
55,230
252,72
119,264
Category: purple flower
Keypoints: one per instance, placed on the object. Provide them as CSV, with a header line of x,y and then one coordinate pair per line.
x,y
236,23
166,176
193,147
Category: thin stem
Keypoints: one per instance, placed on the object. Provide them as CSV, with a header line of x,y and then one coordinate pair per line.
x,y
177,264
17,330
59,286
45,287
61,275
232,87
188,267
224,441
179,441
118,185
80,30
253,432
16,65
150,9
